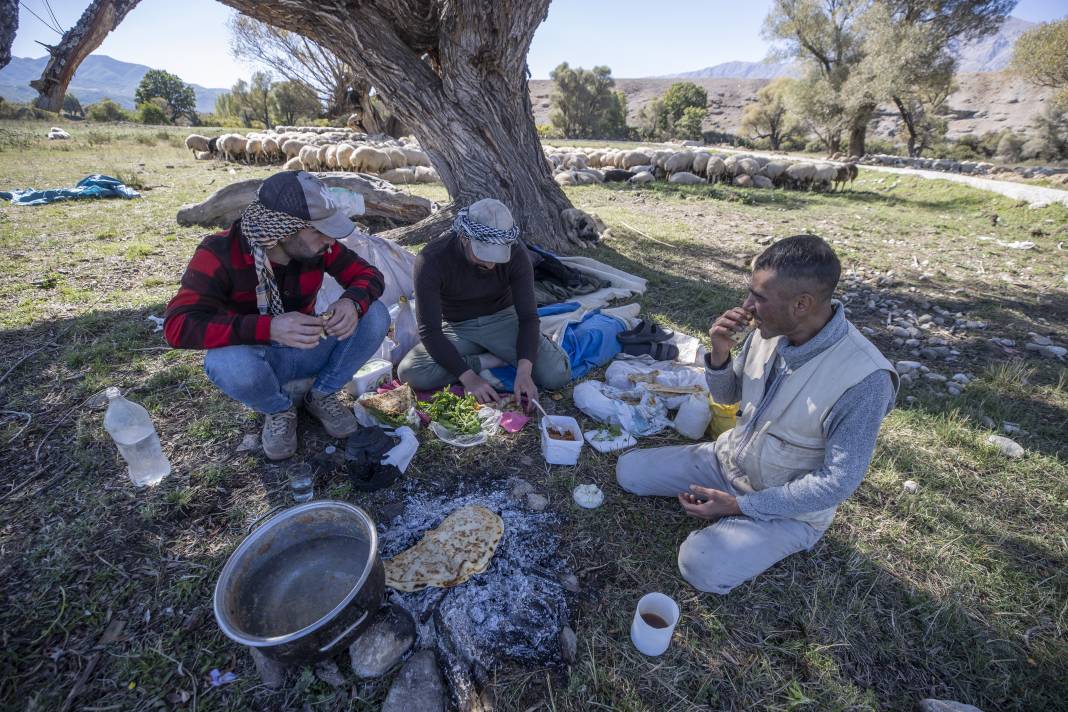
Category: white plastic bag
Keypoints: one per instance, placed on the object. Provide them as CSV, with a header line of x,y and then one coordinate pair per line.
x,y
402,453
636,411
393,261
625,374
602,440
491,423
365,418
693,417
405,331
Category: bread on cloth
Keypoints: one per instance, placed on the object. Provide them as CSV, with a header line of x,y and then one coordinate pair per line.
x,y
460,547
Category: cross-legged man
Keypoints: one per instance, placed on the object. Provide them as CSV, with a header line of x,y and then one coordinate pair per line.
x,y
475,305
812,393
248,297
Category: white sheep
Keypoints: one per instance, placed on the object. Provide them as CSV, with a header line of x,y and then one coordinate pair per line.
x,y
681,162
232,146
715,169
254,149
700,162
196,142
685,178
309,158
293,164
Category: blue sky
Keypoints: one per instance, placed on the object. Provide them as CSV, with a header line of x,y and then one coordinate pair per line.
x,y
633,37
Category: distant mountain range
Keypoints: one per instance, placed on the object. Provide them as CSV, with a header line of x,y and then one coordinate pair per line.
x,y
98,77
991,54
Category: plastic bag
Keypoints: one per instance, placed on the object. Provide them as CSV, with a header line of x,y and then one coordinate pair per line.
x,y
636,411
602,440
625,374
405,331
365,417
393,261
693,417
724,417
402,453
491,422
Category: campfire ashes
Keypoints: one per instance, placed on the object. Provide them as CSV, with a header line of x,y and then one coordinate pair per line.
x,y
514,611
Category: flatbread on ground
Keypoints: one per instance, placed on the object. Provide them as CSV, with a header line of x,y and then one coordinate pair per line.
x,y
459,548
391,403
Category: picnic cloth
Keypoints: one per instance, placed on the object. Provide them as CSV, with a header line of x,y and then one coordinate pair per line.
x,y
94,186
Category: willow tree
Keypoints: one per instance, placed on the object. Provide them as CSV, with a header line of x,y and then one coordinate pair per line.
x,y
456,73
9,24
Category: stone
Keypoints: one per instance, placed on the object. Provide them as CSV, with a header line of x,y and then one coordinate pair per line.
x,y
931,705
521,489
911,486
1008,447
1010,428
328,672
570,582
935,377
912,343
961,378
383,642
953,389
1057,352
537,502
250,442
568,645
987,422
924,318
418,686
907,366
901,332
1039,339
272,672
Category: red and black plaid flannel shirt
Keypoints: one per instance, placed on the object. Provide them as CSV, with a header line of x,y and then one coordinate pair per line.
x,y
216,303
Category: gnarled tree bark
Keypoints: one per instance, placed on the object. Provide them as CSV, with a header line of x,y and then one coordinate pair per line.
x,y
100,18
456,73
9,23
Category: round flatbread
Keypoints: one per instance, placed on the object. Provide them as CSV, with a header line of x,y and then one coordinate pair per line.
x,y
460,547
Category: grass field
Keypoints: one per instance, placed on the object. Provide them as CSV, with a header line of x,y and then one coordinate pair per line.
x,y
959,591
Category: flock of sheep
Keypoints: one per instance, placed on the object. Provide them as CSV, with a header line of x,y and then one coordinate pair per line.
x,y
577,166
315,148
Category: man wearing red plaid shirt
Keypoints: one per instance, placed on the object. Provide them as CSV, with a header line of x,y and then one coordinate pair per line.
x,y
248,297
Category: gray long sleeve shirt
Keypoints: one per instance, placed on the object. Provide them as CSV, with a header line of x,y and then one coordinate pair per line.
x,y
850,428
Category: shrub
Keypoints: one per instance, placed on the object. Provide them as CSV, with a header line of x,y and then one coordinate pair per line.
x,y
150,112
97,138
1010,146
106,110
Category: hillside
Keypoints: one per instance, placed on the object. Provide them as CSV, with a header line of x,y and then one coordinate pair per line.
x,y
98,77
983,102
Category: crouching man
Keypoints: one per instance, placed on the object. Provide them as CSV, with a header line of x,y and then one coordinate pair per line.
x,y
813,393
248,297
475,305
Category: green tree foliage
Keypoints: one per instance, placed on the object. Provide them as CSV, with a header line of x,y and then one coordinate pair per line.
x,y
179,96
768,118
106,110
818,110
679,97
585,105
1041,56
153,112
259,98
292,101
236,104
73,107
688,126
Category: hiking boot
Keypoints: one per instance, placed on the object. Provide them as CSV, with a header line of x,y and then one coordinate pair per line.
x,y
279,437
332,413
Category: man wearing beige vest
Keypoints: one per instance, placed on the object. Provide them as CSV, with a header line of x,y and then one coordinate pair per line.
x,y
812,393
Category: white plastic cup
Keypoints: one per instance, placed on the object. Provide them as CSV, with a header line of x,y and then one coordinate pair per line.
x,y
647,639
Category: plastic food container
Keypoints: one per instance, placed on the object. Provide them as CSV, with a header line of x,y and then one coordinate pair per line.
x,y
370,376
561,452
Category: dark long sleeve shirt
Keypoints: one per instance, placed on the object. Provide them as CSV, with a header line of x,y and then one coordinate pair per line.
x,y
448,287
216,303
851,428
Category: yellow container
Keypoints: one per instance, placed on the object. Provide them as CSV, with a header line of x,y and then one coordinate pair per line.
x,y
723,418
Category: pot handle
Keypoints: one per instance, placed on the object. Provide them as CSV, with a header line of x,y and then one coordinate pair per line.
x,y
328,648
264,517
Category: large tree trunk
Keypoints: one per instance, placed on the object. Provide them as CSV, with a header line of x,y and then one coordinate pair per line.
x,y
456,73
9,23
910,125
858,131
100,18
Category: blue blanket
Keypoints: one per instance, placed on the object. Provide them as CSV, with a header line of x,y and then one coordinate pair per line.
x,y
94,186
588,344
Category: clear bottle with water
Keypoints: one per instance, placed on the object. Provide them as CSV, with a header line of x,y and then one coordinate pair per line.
x,y
130,426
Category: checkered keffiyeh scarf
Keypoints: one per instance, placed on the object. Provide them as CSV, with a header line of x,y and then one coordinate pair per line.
x,y
264,228
483,233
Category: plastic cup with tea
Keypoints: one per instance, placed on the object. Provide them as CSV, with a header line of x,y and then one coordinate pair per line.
x,y
302,482
655,618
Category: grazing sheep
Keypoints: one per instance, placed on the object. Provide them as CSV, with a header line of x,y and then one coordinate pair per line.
x,y
642,178
233,146
743,181
291,147
634,158
196,142
748,166
700,162
731,166
679,163
618,175
331,157
399,176
213,146
576,161
566,178
715,169
309,158
344,156
202,155
254,149
686,178
774,170
396,158
847,172
271,149
762,182
800,175
415,157
370,160
293,164
321,155
424,174
55,133
824,176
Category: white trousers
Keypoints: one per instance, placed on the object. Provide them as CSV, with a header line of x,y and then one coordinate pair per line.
x,y
731,550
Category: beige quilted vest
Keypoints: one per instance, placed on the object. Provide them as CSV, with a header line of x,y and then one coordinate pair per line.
x,y
788,440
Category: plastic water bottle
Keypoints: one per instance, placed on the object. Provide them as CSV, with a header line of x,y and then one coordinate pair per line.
x,y
131,428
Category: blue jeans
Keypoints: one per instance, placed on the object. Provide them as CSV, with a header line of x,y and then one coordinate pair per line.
x,y
254,375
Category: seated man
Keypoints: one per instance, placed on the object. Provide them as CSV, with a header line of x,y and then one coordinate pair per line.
x,y
248,296
813,393
472,279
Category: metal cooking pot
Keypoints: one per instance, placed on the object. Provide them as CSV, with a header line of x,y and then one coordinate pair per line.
x,y
303,585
